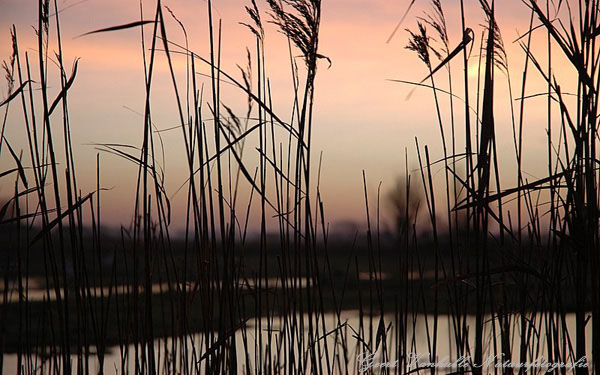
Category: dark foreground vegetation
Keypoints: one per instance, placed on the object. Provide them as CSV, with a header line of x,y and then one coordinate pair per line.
x,y
511,272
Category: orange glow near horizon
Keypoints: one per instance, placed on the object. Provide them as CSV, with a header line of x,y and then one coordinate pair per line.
x,y
363,120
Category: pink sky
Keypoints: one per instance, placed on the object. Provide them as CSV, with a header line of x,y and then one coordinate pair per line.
x,y
362,120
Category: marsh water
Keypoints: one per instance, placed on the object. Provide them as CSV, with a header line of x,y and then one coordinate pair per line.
x,y
358,356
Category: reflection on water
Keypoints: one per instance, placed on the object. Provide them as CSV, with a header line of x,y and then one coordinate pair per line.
x,y
353,342
35,292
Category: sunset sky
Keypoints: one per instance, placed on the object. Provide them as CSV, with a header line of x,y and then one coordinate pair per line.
x,y
363,121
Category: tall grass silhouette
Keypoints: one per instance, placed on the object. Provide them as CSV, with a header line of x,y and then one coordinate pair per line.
x,y
492,274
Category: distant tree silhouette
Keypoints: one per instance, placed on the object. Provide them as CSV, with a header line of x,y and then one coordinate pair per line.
x,y
405,199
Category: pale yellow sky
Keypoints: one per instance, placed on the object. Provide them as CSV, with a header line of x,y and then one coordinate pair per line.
x,y
361,120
